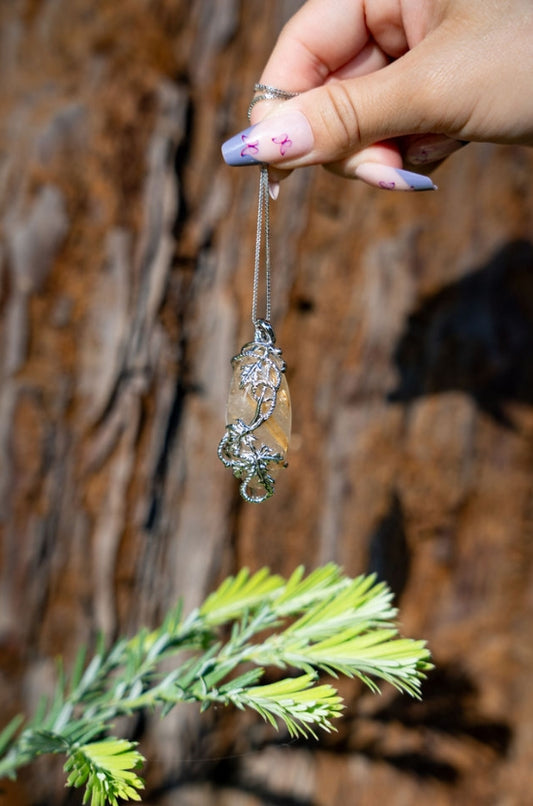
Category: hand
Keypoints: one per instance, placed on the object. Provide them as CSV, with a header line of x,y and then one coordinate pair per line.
x,y
383,83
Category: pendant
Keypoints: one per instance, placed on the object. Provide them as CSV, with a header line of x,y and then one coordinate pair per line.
x,y
258,416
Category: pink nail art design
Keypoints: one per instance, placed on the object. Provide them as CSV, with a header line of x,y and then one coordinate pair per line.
x,y
275,138
389,178
251,147
284,143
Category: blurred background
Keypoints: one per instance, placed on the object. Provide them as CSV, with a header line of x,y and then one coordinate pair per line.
x,y
407,325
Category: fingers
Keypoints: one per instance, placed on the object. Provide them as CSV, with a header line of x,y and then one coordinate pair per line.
x,y
317,41
385,154
429,149
357,99
450,79
369,59
323,41
329,124
342,117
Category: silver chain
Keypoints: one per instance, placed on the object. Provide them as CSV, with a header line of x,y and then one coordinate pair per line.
x,y
263,227
268,93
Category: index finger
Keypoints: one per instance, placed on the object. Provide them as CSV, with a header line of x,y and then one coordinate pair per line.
x,y
318,40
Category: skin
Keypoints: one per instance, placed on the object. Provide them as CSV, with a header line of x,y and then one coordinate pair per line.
x,y
383,79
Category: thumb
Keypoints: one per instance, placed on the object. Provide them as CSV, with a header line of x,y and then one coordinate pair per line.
x,y
330,123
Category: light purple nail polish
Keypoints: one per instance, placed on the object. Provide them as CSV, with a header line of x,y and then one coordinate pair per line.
x,y
242,149
277,138
388,178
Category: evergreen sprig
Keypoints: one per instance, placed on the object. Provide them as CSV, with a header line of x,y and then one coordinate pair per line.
x,y
106,770
322,622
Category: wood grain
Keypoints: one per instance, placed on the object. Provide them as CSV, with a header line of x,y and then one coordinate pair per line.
x,y
407,326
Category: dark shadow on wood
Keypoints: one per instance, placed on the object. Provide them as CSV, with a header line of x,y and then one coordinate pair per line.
x,y
474,336
227,774
389,556
450,709
449,706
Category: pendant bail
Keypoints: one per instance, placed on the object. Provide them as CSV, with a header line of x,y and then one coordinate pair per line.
x,y
264,332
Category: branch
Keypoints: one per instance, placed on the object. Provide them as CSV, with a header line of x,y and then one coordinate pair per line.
x,y
325,622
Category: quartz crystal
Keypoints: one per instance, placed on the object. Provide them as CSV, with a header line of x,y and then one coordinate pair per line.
x,y
258,418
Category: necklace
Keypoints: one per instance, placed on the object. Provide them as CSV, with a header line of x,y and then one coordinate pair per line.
x,y
258,412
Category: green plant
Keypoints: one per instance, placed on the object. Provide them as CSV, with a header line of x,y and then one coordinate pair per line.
x,y
322,623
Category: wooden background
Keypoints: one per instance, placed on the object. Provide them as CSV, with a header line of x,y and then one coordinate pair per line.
x,y
407,325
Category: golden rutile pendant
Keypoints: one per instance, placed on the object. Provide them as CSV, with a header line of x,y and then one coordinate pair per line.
x,y
258,416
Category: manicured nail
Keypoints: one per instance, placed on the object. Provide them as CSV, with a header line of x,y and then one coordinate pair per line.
x,y
277,138
429,151
273,189
383,176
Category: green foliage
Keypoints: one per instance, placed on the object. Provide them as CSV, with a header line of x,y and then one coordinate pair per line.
x,y
297,702
105,768
323,622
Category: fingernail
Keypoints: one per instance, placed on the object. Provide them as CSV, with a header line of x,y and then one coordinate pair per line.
x,y
273,189
432,151
275,139
387,178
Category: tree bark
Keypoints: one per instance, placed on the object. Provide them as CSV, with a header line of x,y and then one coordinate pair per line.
x,y
407,324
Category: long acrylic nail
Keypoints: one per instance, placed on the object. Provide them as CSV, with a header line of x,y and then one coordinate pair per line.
x,y
275,139
387,178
